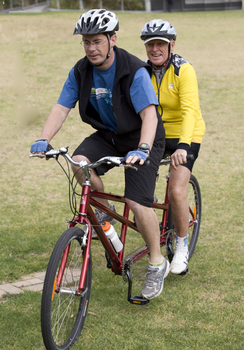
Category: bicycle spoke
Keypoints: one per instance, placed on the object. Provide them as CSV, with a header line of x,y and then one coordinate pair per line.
x,y
64,311
194,202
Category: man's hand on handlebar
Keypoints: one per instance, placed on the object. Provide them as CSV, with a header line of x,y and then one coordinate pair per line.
x,y
178,157
136,156
40,147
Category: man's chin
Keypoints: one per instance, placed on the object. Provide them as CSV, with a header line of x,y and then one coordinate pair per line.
x,y
157,62
95,61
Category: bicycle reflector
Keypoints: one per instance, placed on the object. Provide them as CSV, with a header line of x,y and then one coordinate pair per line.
x,y
138,300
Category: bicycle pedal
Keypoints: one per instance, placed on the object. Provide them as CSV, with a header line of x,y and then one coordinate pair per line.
x,y
138,300
184,272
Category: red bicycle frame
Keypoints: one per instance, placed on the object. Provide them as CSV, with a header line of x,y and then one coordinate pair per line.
x,y
87,217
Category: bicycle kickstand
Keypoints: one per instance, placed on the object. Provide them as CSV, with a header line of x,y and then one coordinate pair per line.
x,y
137,299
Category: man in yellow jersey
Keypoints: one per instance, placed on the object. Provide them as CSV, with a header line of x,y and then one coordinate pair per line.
x,y
175,83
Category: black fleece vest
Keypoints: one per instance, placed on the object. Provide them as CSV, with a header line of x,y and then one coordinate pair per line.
x,y
126,117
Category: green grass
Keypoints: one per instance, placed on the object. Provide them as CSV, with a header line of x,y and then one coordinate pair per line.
x,y
202,310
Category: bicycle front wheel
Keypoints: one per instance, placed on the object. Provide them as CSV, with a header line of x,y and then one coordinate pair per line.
x,y
63,312
195,212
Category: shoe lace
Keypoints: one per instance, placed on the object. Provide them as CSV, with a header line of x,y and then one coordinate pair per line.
x,y
151,278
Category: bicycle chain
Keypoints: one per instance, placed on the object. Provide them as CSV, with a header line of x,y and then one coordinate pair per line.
x,y
128,260
170,236
127,265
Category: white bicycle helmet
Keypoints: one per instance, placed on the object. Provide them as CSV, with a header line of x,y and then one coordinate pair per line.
x,y
158,29
97,21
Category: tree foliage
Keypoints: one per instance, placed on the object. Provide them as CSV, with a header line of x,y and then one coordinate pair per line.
x,y
114,5
129,5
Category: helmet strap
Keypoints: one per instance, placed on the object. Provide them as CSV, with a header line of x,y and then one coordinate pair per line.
x,y
109,47
169,55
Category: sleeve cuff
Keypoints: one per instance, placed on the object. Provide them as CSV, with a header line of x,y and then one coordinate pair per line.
x,y
184,146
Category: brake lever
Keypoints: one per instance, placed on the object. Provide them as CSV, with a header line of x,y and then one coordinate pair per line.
x,y
129,166
49,154
146,163
37,155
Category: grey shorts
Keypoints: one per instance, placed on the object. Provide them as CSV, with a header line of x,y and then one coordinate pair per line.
x,y
139,185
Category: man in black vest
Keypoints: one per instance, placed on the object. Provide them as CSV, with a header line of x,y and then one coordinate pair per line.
x,y
116,98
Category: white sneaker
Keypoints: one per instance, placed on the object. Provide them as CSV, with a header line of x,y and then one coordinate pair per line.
x,y
179,263
154,283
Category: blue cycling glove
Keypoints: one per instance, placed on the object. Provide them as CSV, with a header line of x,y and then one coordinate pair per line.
x,y
141,154
40,146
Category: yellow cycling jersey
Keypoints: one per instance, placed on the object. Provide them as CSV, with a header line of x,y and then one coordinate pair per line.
x,y
179,102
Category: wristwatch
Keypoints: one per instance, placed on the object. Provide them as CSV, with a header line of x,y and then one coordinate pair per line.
x,y
144,147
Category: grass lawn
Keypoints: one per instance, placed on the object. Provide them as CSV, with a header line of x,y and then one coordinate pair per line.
x,y
202,310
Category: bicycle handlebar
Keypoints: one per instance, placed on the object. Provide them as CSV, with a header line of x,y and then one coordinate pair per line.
x,y
168,161
117,161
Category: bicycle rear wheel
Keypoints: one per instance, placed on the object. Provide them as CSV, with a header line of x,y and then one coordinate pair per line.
x,y
63,312
195,212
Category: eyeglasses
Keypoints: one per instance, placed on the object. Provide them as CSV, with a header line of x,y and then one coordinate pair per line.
x,y
96,43
159,44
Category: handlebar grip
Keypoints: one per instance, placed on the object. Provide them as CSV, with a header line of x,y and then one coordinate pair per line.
x,y
168,161
146,163
190,157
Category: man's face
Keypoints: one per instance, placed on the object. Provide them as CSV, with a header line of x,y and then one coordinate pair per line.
x,y
96,47
157,51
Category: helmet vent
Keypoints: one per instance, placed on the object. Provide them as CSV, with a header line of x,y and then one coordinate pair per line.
x,y
105,21
95,21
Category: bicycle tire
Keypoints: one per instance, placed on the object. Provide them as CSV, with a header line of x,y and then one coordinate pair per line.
x,y
63,314
195,207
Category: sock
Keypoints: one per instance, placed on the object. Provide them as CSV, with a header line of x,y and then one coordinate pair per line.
x,y
182,243
157,265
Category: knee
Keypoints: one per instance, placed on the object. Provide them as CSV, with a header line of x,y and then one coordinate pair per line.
x,y
135,207
176,193
138,210
78,158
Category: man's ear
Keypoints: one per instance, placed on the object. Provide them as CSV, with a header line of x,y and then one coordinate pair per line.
x,y
113,40
172,45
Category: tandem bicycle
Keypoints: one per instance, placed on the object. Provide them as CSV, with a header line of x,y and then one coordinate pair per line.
x,y
67,284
